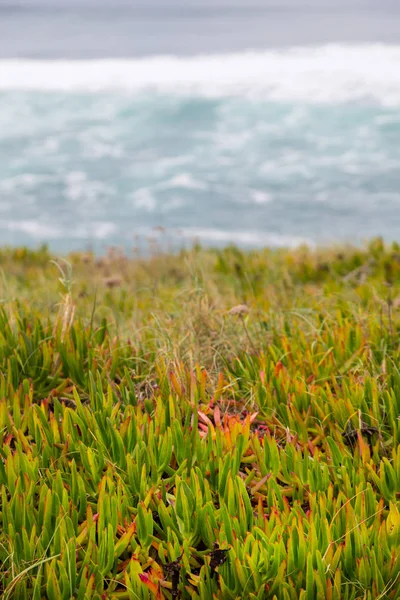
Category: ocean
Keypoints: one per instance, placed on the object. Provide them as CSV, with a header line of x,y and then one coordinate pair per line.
x,y
217,121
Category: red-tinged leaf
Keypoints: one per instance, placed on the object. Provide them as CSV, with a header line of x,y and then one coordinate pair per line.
x,y
123,565
205,419
311,447
253,417
153,587
123,542
278,368
203,383
220,387
175,384
8,439
217,416
156,571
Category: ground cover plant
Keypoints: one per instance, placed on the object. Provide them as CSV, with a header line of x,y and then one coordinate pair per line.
x,y
214,424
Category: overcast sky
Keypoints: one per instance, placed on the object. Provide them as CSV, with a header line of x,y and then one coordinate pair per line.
x,y
126,28
245,4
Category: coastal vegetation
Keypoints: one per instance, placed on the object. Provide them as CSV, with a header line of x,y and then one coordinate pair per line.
x,y
207,424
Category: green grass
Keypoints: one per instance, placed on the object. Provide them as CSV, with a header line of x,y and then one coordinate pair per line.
x,y
155,443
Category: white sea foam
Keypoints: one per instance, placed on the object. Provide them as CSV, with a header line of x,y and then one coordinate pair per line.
x,y
99,230
246,238
33,228
143,198
220,236
146,199
85,193
39,230
260,197
183,181
24,181
331,73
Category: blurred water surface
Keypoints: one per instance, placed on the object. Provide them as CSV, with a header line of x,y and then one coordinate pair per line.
x,y
259,123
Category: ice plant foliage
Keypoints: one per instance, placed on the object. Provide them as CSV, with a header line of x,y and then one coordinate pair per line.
x,y
151,447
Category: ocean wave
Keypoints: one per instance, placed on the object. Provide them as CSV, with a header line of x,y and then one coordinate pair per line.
x,y
331,73
183,181
213,236
110,233
245,238
49,231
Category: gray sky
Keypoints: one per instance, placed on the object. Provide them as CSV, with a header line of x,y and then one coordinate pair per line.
x,y
74,29
378,5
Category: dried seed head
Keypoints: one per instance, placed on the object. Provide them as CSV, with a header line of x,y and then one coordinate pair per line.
x,y
113,281
101,262
240,309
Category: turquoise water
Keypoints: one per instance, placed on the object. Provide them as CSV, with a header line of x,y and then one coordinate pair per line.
x,y
273,146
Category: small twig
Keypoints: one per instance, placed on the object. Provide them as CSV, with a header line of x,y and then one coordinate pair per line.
x,y
390,312
240,311
241,317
